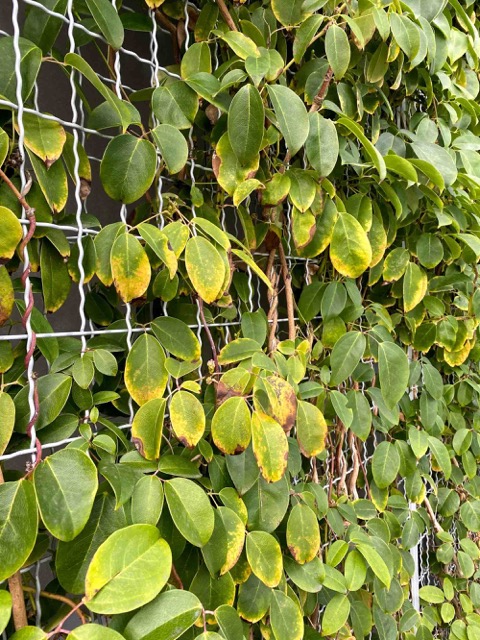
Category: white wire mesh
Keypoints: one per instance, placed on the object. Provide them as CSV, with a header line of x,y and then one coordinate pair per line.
x,y
79,231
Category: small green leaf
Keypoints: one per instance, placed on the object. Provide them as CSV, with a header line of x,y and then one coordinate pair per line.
x,y
245,123
335,615
177,338
231,426
53,391
147,500
128,570
393,372
385,464
311,429
322,145
291,115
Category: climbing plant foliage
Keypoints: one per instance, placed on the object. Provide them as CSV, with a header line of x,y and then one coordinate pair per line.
x,y
300,190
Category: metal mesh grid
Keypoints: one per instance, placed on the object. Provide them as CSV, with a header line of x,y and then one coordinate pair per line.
x,y
353,460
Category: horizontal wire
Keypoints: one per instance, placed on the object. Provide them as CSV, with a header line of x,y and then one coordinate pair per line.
x,y
103,332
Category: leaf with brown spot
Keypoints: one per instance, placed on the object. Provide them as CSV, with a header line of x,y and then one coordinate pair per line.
x,y
188,418
231,426
276,397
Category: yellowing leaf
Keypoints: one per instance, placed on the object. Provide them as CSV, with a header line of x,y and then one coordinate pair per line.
x,y
44,137
303,533
205,268
270,446
11,233
145,373
223,550
147,428
231,426
265,557
311,429
130,267
187,417
230,172
414,286
7,420
7,295
350,250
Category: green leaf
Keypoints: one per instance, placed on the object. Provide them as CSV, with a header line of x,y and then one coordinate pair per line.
x,y
432,594
441,454
18,525
145,374
83,371
42,28
229,622
11,233
406,34
56,282
222,551
308,577
4,146
173,146
169,616
303,533
159,243
265,557
270,446
29,633
103,248
285,617
175,104
108,21
191,510
253,599
130,267
291,115
147,428
52,181
45,138
205,268
350,250
337,48
402,167
30,61
311,429
128,168
414,286
63,509
187,417
231,426
335,615
240,44
346,355
372,152
128,570
470,515
7,422
94,632
439,157
147,500
5,609
196,59
245,189
105,362
73,558
393,372
322,145
355,570
376,563
245,123
304,35
177,338
53,391
289,12
385,464
243,255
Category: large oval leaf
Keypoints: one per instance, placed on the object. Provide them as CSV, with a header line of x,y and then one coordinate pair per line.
x,y
265,557
286,617
145,373
18,525
166,618
270,446
393,372
128,167
322,144
128,570
385,464
64,509
191,510
177,338
205,268
291,115
350,250
303,533
245,123
187,417
231,426
346,355
129,267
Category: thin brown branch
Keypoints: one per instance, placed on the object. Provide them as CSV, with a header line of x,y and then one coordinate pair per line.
x,y
209,335
59,598
19,610
322,92
431,514
174,575
287,279
226,15
272,297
